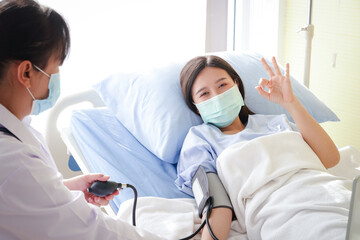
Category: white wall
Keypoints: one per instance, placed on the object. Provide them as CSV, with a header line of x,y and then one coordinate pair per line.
x,y
334,72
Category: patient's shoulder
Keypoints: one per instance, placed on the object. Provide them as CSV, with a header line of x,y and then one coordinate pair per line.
x,y
271,122
204,129
261,120
203,132
266,116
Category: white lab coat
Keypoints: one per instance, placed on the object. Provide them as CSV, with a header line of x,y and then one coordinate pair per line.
x,y
35,204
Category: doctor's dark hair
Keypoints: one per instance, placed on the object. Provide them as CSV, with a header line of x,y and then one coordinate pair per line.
x,y
29,31
192,69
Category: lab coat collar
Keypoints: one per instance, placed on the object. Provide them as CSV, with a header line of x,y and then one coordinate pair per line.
x,y
18,128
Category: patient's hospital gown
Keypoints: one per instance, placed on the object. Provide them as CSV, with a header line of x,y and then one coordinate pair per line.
x,y
204,143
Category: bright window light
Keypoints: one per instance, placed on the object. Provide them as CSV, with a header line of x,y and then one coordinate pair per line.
x,y
258,25
124,36
121,35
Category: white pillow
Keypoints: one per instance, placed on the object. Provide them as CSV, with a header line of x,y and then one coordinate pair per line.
x,y
151,105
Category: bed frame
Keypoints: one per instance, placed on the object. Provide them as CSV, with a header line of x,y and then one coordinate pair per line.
x,y
54,135
61,142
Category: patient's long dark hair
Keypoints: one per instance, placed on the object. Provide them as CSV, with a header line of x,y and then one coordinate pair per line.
x,y
192,69
29,31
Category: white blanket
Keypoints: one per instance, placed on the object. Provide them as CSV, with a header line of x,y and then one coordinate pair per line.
x,y
280,189
170,218
269,192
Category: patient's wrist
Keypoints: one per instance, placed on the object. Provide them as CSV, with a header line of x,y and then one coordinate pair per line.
x,y
293,107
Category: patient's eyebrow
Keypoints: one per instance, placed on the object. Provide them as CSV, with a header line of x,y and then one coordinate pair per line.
x,y
221,79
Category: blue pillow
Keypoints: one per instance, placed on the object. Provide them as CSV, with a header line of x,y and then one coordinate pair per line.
x,y
151,106
250,69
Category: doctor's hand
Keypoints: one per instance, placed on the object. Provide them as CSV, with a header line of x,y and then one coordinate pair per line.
x,y
83,182
279,86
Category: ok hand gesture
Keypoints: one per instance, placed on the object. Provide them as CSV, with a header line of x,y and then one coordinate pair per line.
x,y
279,86
280,91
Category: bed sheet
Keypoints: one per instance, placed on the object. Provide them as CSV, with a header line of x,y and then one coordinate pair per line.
x,y
110,148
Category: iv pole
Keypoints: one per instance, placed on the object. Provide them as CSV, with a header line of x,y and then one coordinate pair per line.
x,y
309,34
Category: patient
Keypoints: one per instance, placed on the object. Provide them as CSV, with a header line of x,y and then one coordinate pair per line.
x,y
213,89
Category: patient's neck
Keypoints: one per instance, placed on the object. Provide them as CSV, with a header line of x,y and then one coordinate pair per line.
x,y
235,127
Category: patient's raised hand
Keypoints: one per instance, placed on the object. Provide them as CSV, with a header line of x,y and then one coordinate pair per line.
x,y
279,86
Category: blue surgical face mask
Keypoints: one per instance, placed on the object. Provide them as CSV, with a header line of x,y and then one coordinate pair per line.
x,y
40,105
222,109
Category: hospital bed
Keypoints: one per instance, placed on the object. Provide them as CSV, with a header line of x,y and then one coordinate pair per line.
x,y
135,129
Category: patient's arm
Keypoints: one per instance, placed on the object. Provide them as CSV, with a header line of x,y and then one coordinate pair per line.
x,y
280,92
209,190
314,135
220,222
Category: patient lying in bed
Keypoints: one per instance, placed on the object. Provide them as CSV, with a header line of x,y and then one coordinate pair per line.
x,y
138,137
272,169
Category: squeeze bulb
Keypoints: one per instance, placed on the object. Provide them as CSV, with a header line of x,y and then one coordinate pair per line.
x,y
102,189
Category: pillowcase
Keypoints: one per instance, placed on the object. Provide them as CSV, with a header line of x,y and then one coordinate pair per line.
x,y
151,105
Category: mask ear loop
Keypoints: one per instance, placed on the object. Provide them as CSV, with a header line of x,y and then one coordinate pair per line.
x,y
41,70
31,94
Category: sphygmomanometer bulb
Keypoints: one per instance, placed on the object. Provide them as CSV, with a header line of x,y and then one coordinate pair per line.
x,y
102,189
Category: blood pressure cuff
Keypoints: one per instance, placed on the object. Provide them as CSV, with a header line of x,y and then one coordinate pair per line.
x,y
206,185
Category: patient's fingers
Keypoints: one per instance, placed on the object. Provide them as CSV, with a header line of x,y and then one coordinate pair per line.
x,y
287,71
263,82
267,68
276,67
263,93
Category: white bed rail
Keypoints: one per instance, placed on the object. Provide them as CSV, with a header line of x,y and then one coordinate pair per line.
x,y
53,138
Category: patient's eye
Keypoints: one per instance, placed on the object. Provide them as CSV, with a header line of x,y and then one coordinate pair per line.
x,y
204,94
222,85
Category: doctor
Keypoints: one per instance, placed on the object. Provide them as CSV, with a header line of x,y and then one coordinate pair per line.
x,y
35,201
